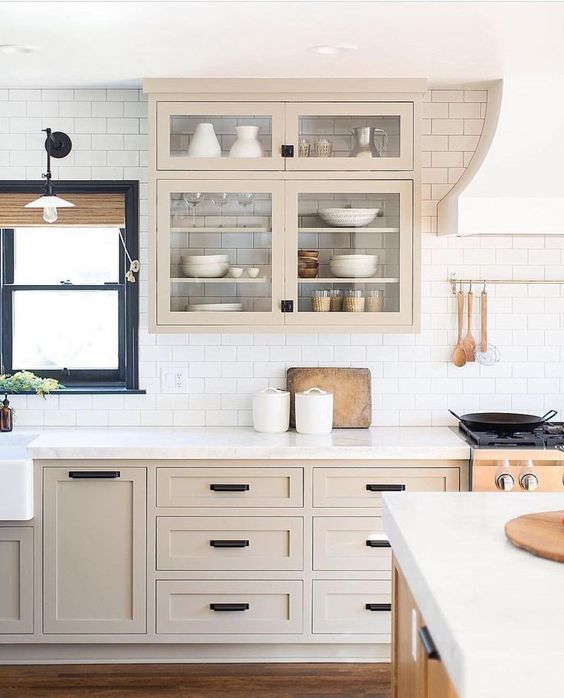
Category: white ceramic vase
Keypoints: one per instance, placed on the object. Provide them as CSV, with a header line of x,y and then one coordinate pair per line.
x,y
204,143
247,144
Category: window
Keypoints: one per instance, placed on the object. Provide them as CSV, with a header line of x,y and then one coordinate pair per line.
x,y
68,311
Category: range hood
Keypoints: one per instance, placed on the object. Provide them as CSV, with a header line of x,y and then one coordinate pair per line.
x,y
514,184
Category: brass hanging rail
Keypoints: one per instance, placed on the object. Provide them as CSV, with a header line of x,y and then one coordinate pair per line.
x,y
455,283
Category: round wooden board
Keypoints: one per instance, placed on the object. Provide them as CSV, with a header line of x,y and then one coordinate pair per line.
x,y
541,534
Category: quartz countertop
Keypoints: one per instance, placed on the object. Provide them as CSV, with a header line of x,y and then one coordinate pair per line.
x,y
496,613
394,443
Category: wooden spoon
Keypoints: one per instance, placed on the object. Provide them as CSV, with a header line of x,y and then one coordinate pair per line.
x,y
459,355
469,342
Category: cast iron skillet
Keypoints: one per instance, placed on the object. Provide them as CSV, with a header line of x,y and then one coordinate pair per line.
x,y
503,422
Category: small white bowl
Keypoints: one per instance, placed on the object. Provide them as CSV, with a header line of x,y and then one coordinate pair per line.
x,y
253,272
236,272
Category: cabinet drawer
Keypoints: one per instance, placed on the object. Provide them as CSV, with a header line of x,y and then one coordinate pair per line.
x,y
341,606
229,543
363,487
229,607
351,543
229,487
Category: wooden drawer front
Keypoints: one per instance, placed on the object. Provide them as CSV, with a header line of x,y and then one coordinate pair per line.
x,y
269,607
230,487
351,543
229,543
339,606
363,487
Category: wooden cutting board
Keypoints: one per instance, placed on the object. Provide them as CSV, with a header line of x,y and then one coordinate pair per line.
x,y
541,534
351,388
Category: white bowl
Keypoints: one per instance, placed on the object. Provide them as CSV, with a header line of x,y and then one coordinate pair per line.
x,y
206,271
215,307
236,272
355,257
204,258
348,217
354,266
253,272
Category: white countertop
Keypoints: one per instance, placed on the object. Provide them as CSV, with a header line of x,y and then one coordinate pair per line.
x,y
425,443
496,613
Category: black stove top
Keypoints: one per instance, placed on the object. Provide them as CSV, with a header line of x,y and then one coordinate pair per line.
x,y
549,435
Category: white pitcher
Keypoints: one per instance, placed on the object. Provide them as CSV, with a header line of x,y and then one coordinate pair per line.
x,y
204,143
247,144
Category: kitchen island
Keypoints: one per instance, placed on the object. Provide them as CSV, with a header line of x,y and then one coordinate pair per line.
x,y
495,613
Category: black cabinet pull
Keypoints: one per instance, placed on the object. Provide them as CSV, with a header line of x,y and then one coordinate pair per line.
x,y
428,644
229,606
378,543
228,487
229,543
385,488
378,606
94,474
287,151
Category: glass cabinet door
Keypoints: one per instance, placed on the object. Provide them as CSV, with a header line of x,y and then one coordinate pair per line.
x,y
219,252
361,136
219,136
349,253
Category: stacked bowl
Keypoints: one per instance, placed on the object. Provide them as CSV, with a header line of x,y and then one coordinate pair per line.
x,y
209,266
354,266
348,217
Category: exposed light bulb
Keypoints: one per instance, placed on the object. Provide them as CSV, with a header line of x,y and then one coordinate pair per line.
x,y
50,214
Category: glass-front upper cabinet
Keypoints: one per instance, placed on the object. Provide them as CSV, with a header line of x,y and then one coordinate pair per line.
x,y
219,252
220,136
349,255
350,136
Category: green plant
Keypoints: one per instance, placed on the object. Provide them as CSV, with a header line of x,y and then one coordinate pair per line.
x,y
25,381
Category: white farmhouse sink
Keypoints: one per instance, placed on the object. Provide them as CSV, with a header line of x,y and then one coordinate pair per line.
x,y
16,478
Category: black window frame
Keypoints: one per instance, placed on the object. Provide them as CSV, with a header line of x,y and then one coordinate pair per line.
x,y
126,377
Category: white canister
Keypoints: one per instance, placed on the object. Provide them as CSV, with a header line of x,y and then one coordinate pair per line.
x,y
271,411
204,143
314,411
247,144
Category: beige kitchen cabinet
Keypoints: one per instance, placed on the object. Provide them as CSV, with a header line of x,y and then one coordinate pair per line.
x,y
260,211
417,670
357,607
94,550
16,580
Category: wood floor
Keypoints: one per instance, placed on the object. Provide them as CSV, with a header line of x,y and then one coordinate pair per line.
x,y
197,681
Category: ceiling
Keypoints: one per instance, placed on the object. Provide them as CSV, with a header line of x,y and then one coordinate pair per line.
x,y
89,44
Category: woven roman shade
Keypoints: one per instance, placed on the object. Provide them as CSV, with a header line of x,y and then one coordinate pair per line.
x,y
89,209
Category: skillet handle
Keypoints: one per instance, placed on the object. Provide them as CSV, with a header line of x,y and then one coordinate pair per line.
x,y
549,415
460,418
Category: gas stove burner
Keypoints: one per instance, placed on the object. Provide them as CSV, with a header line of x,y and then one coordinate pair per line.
x,y
549,435
553,429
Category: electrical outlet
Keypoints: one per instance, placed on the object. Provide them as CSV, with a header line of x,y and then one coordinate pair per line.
x,y
173,379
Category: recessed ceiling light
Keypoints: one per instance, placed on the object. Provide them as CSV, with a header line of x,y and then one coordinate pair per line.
x,y
332,49
10,49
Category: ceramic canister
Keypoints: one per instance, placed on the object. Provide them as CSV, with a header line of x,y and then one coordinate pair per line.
x,y
204,143
314,411
271,411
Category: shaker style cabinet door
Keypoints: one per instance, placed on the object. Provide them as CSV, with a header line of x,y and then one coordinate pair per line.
x,y
94,550
362,136
219,253
219,136
16,580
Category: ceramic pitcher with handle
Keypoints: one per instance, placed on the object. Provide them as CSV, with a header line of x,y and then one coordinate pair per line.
x,y
364,142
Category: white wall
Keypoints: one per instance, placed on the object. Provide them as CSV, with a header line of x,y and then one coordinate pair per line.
x,y
413,380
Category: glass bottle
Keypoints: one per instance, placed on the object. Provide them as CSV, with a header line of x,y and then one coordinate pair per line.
x,y
6,416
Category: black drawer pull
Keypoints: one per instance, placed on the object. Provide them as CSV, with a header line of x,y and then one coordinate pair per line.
x,y
378,606
229,543
228,487
385,488
94,474
378,543
229,606
428,644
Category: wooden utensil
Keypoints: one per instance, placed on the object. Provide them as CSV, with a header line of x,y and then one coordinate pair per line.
x,y
351,388
469,343
459,355
541,534
487,354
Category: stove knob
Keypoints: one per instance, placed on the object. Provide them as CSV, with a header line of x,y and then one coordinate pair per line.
x,y
504,482
529,482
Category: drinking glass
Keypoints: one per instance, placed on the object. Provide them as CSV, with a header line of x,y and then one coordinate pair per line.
x,y
245,199
192,199
219,199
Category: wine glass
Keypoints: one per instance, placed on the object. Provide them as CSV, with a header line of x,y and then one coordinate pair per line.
x,y
245,199
192,199
219,199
